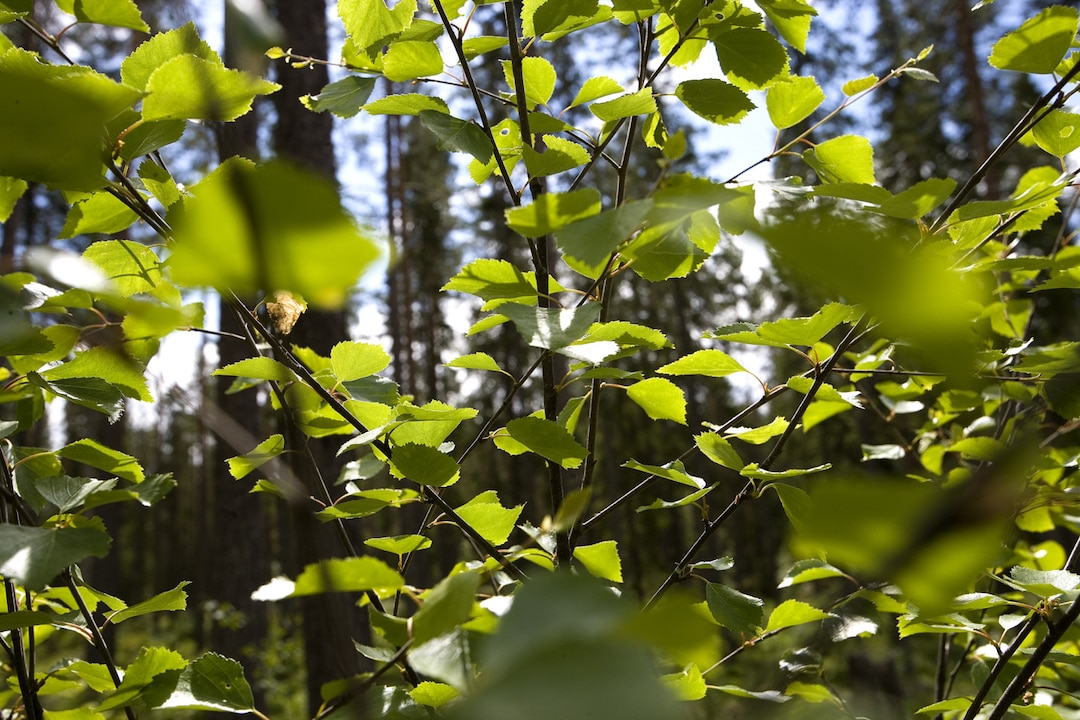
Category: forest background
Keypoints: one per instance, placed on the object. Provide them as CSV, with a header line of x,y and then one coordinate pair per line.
x,y
939,118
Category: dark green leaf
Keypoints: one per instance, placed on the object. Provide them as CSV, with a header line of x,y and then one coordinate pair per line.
x,y
33,556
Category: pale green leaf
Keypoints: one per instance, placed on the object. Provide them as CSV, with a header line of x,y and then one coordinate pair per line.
x,y
547,439
399,544
710,363
92,453
660,399
601,560
792,101
552,211
411,60
355,360
168,601
539,76
848,158
791,613
1039,44
271,227
188,87
424,465
641,102
595,88
242,465
488,517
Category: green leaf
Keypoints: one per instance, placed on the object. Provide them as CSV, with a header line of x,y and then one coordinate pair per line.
x,y
68,493
406,104
802,332
710,363
399,544
751,57
99,213
590,241
715,100
117,13
33,556
1058,133
344,98
159,182
11,189
540,17
674,471
482,44
488,517
719,450
150,664
791,613
257,368
957,704
854,87
687,685
107,365
553,211
405,61
490,279
791,18
559,156
188,87
551,328
601,560
168,601
69,102
241,466
738,612
690,499
1039,44
137,68
131,267
355,360
212,682
808,571
271,227
547,439
752,471
446,606
792,101
1046,583
457,135
92,453
371,24
848,158
353,574
539,75
641,102
476,361
919,199
424,465
433,694
595,88
90,393
758,435
660,399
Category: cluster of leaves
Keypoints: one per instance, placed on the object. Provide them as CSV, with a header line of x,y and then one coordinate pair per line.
x,y
928,326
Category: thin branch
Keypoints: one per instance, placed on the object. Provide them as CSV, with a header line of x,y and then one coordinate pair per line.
x,y
95,632
485,124
1021,127
713,525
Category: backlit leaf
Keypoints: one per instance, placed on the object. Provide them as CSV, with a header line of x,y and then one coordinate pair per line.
x,y
271,227
715,100
547,439
791,102
660,399
710,363
601,560
791,613
1039,44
